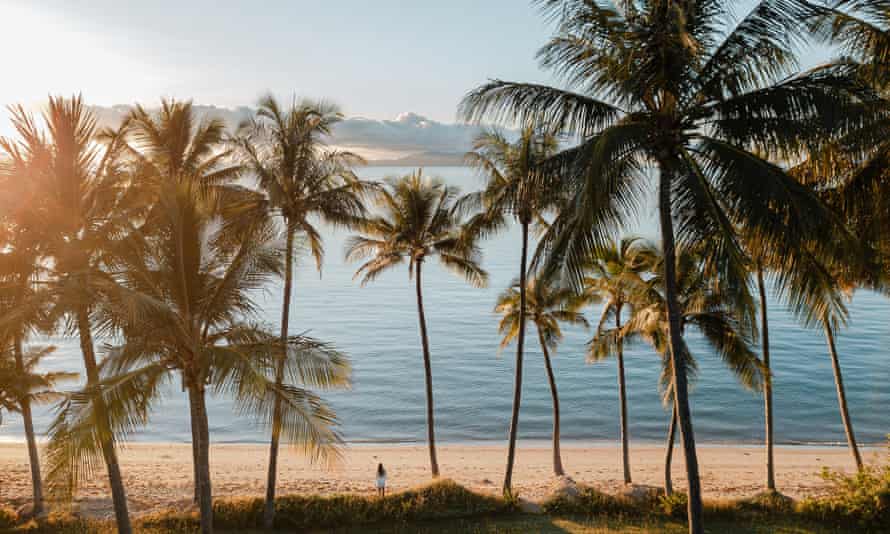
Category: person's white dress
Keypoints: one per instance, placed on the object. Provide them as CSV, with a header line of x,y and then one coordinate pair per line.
x,y
381,481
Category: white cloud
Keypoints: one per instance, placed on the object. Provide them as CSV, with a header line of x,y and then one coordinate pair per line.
x,y
408,134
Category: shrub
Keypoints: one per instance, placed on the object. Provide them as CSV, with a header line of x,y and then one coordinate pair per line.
x,y
673,505
440,500
238,513
62,523
590,501
8,517
863,498
168,521
767,502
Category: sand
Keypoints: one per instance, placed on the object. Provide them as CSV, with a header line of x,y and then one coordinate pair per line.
x,y
159,476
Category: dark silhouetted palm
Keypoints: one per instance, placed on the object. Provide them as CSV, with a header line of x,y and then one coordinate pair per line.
x,y
419,219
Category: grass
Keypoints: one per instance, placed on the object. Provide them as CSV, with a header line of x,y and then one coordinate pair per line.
x,y
503,524
523,523
858,503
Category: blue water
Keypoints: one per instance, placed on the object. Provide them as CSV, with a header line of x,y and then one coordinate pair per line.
x,y
377,326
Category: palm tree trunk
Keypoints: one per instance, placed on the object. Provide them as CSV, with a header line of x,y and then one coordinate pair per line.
x,y
681,393
767,386
201,436
428,370
109,454
557,456
669,452
622,401
269,511
517,380
842,396
30,438
195,496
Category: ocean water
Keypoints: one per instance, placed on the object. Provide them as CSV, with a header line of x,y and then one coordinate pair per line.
x,y
377,326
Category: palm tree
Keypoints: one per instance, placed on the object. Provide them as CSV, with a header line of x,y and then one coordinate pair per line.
x,y
512,189
283,149
23,307
705,306
419,219
74,185
179,297
853,172
817,290
667,85
545,307
21,387
615,277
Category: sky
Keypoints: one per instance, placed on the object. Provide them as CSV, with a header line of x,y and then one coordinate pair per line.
x,y
398,68
376,59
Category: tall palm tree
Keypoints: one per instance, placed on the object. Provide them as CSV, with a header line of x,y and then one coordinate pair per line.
x,y
615,277
705,306
419,219
174,146
666,85
21,387
768,421
302,182
545,307
513,189
77,181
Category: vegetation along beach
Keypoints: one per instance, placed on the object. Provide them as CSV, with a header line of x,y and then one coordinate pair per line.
x,y
615,266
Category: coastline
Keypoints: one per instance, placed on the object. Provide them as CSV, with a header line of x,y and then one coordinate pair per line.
x,y
158,476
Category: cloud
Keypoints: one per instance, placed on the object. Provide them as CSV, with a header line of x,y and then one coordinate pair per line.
x,y
409,134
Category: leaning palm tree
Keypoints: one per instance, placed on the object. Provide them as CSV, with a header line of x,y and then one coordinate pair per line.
x,y
23,307
854,174
513,189
23,386
72,167
302,182
615,276
419,219
545,307
705,306
817,294
666,86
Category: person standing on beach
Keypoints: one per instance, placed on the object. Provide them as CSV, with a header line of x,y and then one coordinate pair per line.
x,y
381,481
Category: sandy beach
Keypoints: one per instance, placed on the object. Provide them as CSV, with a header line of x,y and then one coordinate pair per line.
x,y
159,475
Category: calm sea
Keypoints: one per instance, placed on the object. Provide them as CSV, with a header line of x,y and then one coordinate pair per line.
x,y
377,326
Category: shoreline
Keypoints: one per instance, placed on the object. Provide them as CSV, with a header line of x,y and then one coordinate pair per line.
x,y
527,443
158,476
